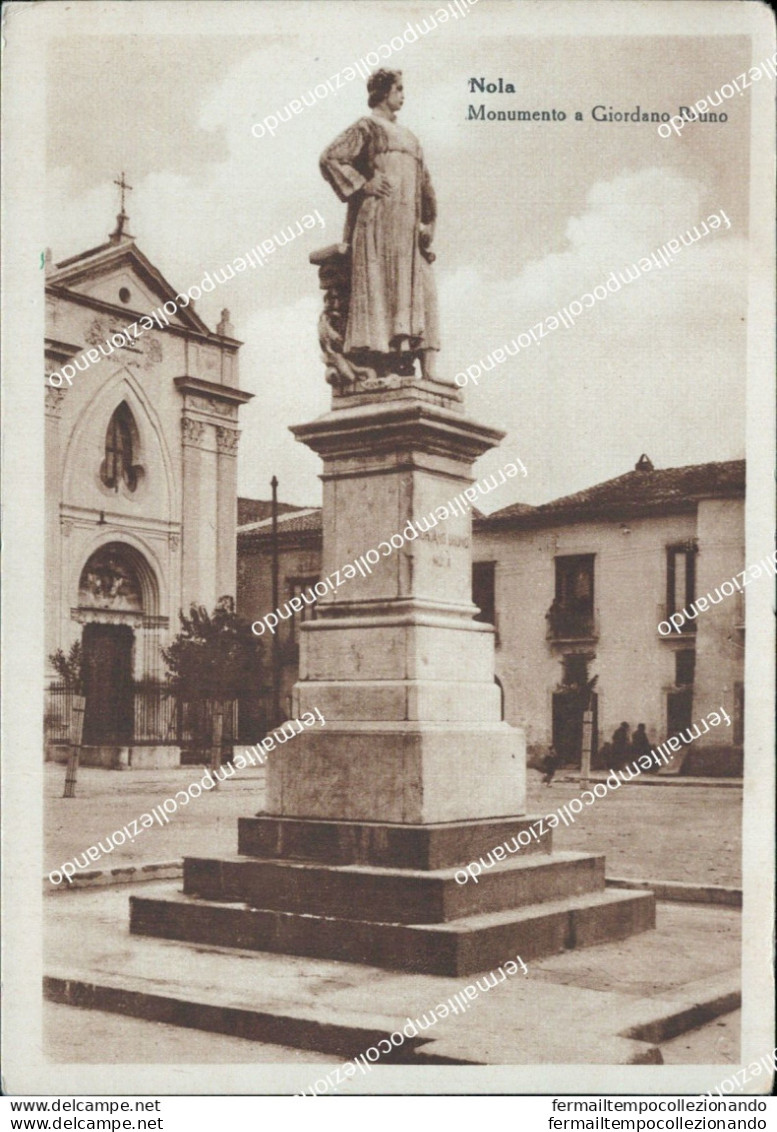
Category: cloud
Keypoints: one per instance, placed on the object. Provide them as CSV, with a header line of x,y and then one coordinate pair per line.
x,y
657,367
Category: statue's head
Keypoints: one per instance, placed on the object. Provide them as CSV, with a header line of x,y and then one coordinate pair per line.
x,y
380,85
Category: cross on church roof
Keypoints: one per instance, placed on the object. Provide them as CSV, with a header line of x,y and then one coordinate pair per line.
x,y
122,185
122,218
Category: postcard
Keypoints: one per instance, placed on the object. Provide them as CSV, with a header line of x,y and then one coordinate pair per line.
x,y
389,549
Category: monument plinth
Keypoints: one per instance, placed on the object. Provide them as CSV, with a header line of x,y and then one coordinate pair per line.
x,y
394,661
415,773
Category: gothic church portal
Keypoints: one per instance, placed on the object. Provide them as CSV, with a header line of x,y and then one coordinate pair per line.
x,y
141,490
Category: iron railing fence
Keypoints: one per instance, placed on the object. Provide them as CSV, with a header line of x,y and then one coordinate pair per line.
x,y
158,717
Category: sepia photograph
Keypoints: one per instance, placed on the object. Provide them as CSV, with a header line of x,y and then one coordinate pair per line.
x,y
389,576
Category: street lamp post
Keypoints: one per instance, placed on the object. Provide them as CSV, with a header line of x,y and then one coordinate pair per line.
x,y
276,644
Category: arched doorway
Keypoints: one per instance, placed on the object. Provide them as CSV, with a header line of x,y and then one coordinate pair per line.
x,y
111,607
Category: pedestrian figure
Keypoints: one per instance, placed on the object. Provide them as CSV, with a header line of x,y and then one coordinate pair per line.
x,y
640,744
550,765
554,618
620,745
606,756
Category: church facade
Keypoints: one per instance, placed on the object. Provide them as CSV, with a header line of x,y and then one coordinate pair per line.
x,y
141,491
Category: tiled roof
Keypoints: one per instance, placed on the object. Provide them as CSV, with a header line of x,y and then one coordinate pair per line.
x,y
513,510
640,491
295,522
645,491
254,510
302,520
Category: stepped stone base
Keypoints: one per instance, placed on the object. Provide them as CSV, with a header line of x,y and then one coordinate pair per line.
x,y
472,944
386,895
398,896
441,845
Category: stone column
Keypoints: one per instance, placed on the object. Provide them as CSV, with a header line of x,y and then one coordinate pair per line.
x,y
209,521
401,672
226,510
192,432
53,541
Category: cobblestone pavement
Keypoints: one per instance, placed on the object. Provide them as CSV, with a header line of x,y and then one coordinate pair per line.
x,y
676,832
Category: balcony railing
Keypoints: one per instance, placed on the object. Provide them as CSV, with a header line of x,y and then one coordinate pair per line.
x,y
571,625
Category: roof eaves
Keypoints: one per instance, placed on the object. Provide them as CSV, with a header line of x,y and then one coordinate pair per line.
x,y
283,521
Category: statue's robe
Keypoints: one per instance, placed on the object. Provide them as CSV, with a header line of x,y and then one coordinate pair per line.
x,y
393,301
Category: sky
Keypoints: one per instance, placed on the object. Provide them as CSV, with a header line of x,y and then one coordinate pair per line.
x,y
531,216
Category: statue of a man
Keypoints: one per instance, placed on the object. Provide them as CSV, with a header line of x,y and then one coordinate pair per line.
x,y
377,167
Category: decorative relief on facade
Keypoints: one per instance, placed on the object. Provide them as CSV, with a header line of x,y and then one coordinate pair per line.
x,y
193,430
101,331
98,332
138,341
54,399
152,348
107,582
174,540
211,405
226,440
134,618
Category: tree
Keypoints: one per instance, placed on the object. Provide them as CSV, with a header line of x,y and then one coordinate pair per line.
x,y
214,657
70,668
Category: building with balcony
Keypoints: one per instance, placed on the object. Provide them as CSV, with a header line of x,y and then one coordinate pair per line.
x,y
580,586
575,590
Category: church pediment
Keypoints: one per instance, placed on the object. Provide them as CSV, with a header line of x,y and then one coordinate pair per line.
x,y
122,276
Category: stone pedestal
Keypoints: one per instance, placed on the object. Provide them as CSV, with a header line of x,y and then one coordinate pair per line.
x,y
394,661
414,774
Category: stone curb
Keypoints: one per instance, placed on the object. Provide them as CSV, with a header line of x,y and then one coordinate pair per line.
x,y
126,874
610,1050
346,1037
660,780
698,1005
686,893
